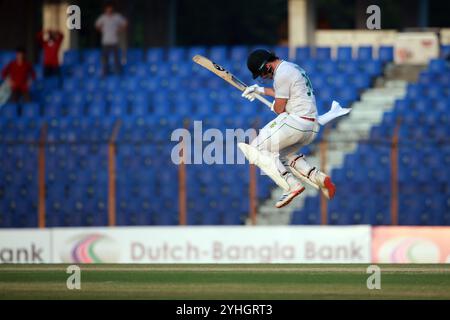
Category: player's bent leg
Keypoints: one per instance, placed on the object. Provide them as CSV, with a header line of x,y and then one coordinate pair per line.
x,y
266,161
275,136
300,167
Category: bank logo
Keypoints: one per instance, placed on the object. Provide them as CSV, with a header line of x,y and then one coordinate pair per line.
x,y
90,248
409,250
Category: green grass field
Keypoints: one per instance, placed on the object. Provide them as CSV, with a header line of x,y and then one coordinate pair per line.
x,y
268,281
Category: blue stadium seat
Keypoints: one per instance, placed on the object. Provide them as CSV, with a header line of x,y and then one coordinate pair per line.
x,y
111,83
118,105
437,65
155,55
192,51
96,108
239,53
135,55
71,57
302,54
435,92
373,67
282,52
326,94
414,91
328,67
218,54
140,104
160,70
323,53
427,78
389,119
52,110
6,57
348,93
71,85
232,218
440,133
348,66
386,53
402,106
9,111
91,84
361,81
176,54
308,65
421,105
444,79
445,51
31,110
92,56
365,53
344,53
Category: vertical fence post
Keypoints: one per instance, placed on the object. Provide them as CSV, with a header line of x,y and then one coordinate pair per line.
x,y
323,163
112,170
182,199
394,175
41,177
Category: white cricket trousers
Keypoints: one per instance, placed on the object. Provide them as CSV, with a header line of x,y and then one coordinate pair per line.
x,y
282,138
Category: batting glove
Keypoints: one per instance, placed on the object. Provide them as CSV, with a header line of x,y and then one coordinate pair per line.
x,y
249,92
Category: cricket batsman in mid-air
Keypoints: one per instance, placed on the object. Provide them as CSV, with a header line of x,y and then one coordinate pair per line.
x,y
296,125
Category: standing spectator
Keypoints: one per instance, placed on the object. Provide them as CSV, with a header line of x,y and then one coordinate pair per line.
x,y
51,41
21,74
110,24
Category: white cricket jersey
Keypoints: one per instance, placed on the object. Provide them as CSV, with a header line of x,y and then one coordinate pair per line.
x,y
291,82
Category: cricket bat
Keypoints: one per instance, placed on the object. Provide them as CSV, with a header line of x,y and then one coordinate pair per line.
x,y
226,75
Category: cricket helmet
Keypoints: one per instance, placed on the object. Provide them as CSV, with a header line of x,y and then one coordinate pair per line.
x,y
256,61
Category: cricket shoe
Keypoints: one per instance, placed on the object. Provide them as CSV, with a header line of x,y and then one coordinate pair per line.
x,y
328,188
323,182
287,197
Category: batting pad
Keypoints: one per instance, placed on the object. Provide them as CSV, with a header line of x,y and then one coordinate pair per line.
x,y
304,179
264,162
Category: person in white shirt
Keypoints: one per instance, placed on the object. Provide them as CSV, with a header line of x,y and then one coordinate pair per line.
x,y
110,24
295,126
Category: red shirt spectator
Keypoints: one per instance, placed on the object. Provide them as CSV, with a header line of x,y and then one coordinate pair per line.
x,y
51,42
19,72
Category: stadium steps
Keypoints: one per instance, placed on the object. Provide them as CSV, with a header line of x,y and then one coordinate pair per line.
x,y
342,140
408,73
